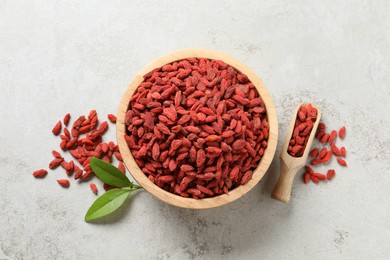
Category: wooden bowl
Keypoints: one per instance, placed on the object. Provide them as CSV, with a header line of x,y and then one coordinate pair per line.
x,y
177,200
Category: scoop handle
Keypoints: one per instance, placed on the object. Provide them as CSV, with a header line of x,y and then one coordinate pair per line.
x,y
282,190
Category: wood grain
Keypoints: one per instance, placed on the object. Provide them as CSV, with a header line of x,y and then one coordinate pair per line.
x,y
171,198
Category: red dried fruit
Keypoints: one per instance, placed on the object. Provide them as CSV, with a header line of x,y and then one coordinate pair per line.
x,y
234,173
309,169
332,136
118,156
66,132
200,158
112,118
341,162
166,178
106,187
57,128
78,122
343,152
204,190
121,167
321,126
319,176
66,119
93,188
214,150
306,178
305,118
322,153
246,177
336,151
315,161
78,172
324,138
327,157
192,129
40,173
86,175
64,183
103,127
314,179
342,132
81,149
314,152
55,163
156,151
213,138
320,134
239,144
66,166
56,154
330,174
178,117
186,168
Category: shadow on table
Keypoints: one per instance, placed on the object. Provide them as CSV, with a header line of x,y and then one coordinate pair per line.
x,y
246,223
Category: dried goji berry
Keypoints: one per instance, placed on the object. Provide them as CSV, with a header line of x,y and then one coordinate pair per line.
x,y
64,183
343,152
325,138
322,153
40,173
112,118
314,152
336,151
314,179
57,128
56,154
93,188
332,136
55,163
330,174
121,167
320,176
306,178
341,162
66,119
342,132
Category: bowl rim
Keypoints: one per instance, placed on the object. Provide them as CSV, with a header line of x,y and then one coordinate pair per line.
x,y
174,199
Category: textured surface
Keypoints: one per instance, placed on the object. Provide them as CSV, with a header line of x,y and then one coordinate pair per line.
x,y
65,56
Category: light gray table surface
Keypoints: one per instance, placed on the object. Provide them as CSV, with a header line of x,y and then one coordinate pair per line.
x,y
73,56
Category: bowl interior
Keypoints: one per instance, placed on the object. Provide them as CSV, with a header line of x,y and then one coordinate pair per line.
x,y
174,199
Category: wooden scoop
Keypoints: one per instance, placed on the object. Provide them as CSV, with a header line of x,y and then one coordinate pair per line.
x,y
289,165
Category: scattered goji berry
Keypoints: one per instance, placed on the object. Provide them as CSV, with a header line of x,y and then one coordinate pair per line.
x,y
40,173
314,179
332,136
342,132
64,183
57,128
314,152
66,119
306,178
112,118
343,151
93,188
330,174
341,162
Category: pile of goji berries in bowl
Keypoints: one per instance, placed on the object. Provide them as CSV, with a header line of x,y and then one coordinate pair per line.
x,y
197,128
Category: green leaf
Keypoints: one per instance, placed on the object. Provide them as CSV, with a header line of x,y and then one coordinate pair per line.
x,y
107,203
109,174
